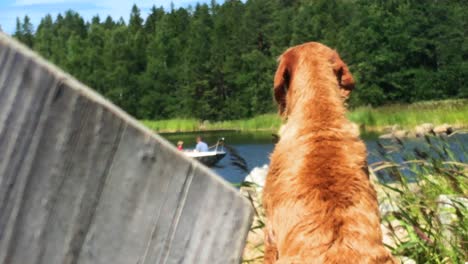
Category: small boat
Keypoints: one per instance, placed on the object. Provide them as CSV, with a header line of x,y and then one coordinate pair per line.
x,y
211,157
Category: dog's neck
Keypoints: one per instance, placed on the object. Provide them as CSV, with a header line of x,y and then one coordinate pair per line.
x,y
318,108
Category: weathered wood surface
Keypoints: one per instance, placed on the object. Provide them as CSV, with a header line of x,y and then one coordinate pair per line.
x,y
82,182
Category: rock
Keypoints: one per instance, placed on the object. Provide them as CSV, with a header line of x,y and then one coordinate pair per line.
x,y
387,207
253,250
395,131
406,260
258,176
443,129
424,129
256,181
399,233
395,128
400,134
446,212
391,129
386,136
395,134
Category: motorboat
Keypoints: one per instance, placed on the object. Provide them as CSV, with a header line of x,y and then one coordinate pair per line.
x,y
210,157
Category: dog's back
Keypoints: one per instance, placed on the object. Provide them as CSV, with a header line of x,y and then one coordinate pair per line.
x,y
319,202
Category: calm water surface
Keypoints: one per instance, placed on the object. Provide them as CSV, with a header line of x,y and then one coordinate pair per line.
x,y
256,147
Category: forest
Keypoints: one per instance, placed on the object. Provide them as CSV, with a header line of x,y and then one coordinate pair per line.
x,y
216,61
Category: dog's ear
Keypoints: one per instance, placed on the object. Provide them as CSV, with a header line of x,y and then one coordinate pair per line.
x,y
343,75
282,79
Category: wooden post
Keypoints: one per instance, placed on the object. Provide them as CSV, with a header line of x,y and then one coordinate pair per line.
x,y
83,182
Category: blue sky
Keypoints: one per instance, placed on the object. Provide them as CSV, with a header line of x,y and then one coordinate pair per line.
x,y
37,9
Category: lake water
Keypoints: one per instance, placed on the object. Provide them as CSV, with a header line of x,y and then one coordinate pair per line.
x,y
256,147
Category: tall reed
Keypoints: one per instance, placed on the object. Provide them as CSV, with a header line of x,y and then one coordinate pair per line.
x,y
454,112
172,125
428,219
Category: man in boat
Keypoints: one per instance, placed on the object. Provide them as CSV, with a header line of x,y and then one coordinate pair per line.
x,y
201,146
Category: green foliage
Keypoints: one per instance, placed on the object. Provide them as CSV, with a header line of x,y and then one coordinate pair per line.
x,y
262,122
173,125
430,209
454,112
216,62
407,116
24,31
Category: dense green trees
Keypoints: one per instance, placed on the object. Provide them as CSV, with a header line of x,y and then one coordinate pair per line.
x,y
217,61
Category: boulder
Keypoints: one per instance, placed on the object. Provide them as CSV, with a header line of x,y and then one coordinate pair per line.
x,y
424,129
386,136
400,133
395,134
391,129
258,176
394,232
444,129
447,213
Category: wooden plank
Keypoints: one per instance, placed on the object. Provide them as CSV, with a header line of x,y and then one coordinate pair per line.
x,y
82,182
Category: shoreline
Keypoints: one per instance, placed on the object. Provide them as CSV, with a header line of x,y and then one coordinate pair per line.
x,y
194,131
366,129
382,119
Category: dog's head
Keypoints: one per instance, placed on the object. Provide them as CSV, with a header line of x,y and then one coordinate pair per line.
x,y
288,66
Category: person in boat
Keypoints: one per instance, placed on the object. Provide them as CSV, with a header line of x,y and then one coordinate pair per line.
x,y
180,145
201,146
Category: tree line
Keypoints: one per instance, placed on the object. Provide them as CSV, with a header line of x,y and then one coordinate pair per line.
x,y
216,61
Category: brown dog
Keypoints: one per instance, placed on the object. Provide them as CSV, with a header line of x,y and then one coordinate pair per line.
x,y
320,205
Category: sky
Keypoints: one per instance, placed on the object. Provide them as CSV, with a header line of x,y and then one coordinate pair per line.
x,y
37,9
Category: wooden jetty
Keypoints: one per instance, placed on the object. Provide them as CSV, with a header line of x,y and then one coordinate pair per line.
x,y
83,182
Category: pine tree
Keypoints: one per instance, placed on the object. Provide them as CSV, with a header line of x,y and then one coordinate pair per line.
x,y
44,37
24,32
197,69
217,61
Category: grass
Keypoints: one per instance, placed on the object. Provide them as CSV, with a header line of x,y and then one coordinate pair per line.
x,y
423,226
453,112
431,209
261,122
172,125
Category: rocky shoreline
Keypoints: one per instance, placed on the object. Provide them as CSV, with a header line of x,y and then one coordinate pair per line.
x,y
422,130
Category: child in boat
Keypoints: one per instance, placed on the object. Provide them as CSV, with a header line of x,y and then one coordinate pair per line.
x,y
180,145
